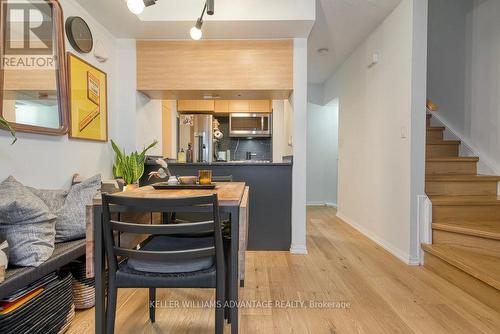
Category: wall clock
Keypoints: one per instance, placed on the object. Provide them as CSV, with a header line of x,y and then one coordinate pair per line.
x,y
79,34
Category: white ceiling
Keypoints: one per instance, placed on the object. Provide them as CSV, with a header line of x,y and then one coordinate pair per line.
x,y
233,19
341,25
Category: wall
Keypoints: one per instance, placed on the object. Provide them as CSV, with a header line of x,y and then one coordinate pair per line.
x,y
376,183
298,105
46,161
322,153
464,76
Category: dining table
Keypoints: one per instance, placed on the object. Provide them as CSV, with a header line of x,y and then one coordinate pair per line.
x,y
233,200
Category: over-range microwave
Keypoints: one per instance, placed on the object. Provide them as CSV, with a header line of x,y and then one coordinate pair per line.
x,y
250,125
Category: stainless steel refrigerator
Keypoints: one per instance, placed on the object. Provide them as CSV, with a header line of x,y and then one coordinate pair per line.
x,y
196,129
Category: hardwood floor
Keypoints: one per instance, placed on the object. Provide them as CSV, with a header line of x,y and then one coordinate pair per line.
x,y
383,294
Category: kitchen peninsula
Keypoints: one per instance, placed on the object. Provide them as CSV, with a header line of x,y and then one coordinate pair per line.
x,y
270,197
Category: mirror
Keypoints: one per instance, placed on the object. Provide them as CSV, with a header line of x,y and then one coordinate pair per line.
x,y
33,84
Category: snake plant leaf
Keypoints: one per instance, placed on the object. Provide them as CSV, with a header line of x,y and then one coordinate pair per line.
x,y
6,125
129,167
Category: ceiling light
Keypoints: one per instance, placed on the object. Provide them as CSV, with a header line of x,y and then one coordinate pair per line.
x,y
137,6
195,31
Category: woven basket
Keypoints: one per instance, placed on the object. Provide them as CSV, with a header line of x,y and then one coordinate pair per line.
x,y
83,287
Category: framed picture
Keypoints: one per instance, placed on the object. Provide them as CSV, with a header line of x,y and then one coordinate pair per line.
x,y
88,100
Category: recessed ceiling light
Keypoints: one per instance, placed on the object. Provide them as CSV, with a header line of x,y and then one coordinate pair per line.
x,y
323,51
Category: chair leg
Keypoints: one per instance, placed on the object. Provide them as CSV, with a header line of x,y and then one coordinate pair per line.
x,y
152,304
219,309
111,308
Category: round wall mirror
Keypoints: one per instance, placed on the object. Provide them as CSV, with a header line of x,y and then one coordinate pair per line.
x,y
79,34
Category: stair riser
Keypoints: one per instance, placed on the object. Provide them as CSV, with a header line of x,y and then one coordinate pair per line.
x,y
465,213
452,188
451,167
476,288
434,135
473,243
436,151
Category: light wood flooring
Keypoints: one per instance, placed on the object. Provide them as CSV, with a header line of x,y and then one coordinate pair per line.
x,y
384,294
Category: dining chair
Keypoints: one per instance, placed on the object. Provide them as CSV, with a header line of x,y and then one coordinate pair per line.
x,y
164,260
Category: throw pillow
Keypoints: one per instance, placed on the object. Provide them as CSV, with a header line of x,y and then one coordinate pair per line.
x,y
71,222
26,223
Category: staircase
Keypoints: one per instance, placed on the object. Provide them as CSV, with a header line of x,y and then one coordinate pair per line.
x,y
465,220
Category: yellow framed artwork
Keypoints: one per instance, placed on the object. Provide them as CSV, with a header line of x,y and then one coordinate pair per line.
x,y
88,100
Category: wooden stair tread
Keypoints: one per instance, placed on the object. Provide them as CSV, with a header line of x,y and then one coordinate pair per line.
x,y
435,128
483,267
461,178
490,230
465,200
444,142
453,159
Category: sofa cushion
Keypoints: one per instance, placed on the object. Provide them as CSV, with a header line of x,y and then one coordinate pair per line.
x,y
27,224
54,199
70,222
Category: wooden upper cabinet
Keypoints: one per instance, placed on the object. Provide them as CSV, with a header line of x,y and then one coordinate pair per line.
x,y
195,106
239,106
260,106
221,107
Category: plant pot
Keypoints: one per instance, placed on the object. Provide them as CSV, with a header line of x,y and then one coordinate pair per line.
x,y
130,187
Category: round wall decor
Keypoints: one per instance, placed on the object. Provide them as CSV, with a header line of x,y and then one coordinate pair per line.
x,y
79,34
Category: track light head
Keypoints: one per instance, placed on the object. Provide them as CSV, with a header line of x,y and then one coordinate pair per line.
x,y
210,7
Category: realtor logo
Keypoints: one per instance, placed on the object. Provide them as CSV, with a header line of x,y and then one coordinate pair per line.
x,y
28,38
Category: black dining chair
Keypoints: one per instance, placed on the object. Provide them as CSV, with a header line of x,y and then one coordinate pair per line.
x,y
165,259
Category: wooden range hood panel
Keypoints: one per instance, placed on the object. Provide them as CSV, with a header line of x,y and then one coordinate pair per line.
x,y
191,69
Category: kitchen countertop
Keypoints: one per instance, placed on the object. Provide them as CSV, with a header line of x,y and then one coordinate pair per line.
x,y
230,163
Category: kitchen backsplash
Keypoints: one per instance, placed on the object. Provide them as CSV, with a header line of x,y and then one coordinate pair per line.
x,y
262,147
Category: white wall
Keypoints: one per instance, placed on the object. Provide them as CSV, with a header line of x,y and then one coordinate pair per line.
x,y
463,73
298,103
375,130
322,153
149,125
46,161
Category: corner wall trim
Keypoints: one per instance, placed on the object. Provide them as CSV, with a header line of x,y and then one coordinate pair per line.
x,y
405,257
298,249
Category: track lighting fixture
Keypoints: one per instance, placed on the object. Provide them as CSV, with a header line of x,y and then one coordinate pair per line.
x,y
137,7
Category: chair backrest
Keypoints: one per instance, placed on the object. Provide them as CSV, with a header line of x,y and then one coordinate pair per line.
x,y
121,204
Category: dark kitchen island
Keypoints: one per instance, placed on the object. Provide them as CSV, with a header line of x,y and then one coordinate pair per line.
x,y
270,185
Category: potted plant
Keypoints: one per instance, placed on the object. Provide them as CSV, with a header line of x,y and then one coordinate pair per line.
x,y
130,167
6,126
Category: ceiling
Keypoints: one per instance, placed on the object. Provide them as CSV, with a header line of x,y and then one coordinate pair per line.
x,y
233,19
341,25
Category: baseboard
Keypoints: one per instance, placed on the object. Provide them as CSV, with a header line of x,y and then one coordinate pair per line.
x,y
405,257
298,249
328,204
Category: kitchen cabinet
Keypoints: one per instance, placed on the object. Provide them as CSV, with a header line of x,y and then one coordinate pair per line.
x,y
195,106
260,106
221,107
239,106
224,107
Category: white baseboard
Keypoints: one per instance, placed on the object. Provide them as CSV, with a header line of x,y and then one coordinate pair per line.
x,y
403,256
328,204
424,225
298,249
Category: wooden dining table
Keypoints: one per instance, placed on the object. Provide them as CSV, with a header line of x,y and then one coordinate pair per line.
x,y
233,200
